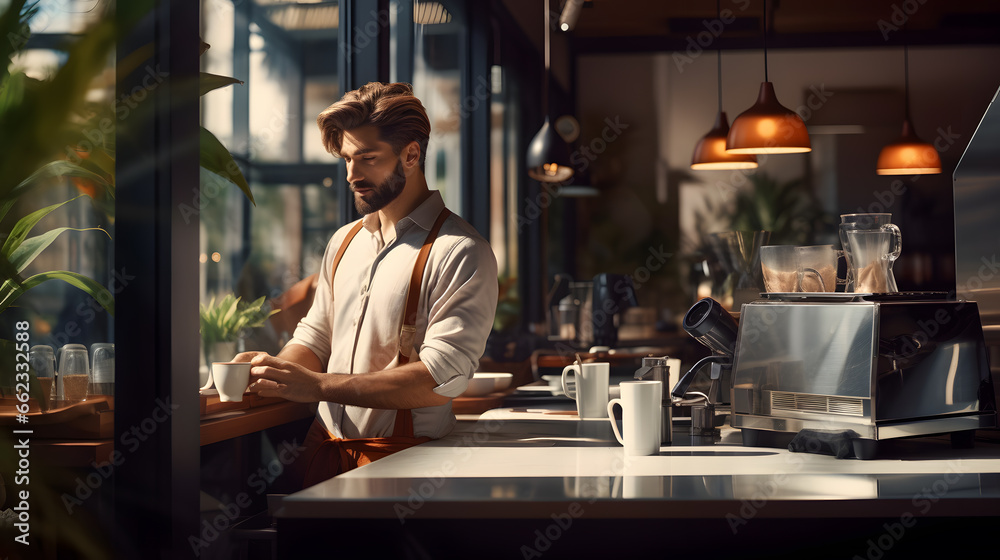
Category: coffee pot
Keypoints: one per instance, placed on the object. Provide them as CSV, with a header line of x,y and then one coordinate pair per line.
x,y
871,244
613,294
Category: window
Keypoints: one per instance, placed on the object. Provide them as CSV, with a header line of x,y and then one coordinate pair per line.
x,y
57,312
286,53
437,82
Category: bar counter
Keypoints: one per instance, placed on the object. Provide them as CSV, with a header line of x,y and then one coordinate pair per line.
x,y
495,481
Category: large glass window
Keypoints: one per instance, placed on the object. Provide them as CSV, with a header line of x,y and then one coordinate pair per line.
x,y
285,52
504,147
437,81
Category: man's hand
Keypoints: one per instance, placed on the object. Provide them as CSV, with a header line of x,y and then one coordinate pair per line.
x,y
274,377
247,356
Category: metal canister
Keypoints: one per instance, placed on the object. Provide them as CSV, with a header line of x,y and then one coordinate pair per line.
x,y
656,369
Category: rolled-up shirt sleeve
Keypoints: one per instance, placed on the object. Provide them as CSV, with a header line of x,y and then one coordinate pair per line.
x,y
462,303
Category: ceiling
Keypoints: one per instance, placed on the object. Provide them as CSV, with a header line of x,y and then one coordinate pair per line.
x,y
657,25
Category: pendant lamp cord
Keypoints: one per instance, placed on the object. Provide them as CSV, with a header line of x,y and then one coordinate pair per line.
x,y
718,53
545,78
906,78
765,40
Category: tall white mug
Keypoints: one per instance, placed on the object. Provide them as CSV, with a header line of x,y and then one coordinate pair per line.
x,y
591,391
640,402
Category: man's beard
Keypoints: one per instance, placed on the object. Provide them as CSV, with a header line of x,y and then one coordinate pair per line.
x,y
380,196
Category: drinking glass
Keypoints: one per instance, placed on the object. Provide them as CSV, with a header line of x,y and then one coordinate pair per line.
x,y
807,268
779,268
870,251
102,369
817,268
74,373
43,361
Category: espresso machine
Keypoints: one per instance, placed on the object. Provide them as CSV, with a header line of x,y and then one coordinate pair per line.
x,y
869,367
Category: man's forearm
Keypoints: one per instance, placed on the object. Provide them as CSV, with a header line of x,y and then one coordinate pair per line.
x,y
405,387
303,356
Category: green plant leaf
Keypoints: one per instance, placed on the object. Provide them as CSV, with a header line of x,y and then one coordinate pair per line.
x,y
23,255
217,159
59,168
23,226
8,271
231,311
225,321
12,91
104,160
90,286
207,82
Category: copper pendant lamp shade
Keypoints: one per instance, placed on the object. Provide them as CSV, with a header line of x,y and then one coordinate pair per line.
x,y
768,128
908,155
710,152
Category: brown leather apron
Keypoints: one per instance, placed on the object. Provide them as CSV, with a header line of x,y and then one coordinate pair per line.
x,y
326,456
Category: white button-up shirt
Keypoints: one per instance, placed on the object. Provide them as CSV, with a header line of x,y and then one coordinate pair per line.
x,y
357,329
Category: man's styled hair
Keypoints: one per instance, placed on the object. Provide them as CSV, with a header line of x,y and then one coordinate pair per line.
x,y
392,108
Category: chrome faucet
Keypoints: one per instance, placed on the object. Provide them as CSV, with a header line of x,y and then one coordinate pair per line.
x,y
656,369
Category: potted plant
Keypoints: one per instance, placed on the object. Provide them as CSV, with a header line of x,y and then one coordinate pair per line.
x,y
225,321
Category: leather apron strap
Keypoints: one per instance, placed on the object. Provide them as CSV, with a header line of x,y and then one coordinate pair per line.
x,y
328,456
343,249
409,328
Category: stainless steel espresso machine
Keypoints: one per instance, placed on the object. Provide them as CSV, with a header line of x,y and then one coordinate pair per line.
x,y
873,367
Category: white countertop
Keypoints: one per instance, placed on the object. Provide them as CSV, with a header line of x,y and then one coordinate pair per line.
x,y
513,459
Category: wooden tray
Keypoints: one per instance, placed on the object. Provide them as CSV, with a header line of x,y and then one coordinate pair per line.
x,y
91,419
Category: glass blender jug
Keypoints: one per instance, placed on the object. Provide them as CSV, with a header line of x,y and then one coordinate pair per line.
x,y
880,222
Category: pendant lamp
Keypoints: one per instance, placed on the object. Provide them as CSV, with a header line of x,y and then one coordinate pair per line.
x,y
710,152
908,154
768,127
548,154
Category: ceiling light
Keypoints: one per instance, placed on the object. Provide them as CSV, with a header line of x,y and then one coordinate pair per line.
x,y
908,154
570,13
548,154
768,127
710,152
430,13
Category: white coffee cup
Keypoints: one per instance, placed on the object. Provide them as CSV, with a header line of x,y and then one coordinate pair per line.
x,y
591,390
640,402
230,379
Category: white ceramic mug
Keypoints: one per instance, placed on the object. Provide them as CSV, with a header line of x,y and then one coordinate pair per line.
x,y
640,402
231,380
591,391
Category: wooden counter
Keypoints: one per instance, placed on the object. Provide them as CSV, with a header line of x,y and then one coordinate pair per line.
x,y
229,424
82,434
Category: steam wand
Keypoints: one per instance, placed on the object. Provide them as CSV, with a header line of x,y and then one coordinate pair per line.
x,y
702,415
718,364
